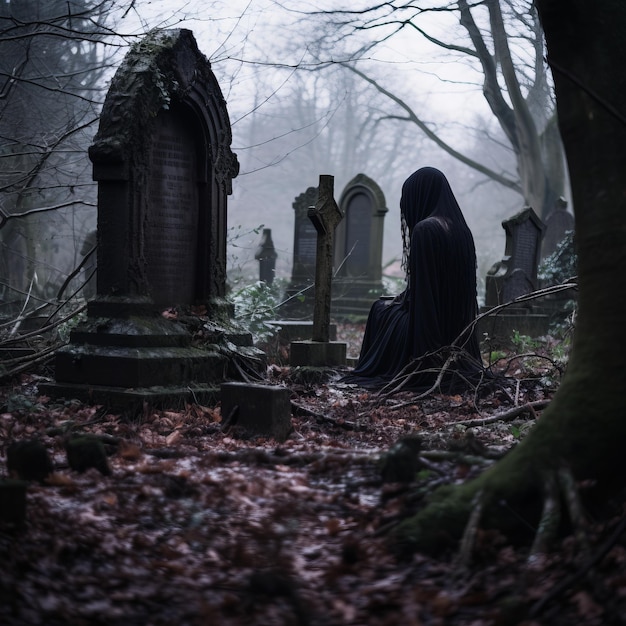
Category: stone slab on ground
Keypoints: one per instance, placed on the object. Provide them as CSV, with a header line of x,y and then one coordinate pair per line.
x,y
258,410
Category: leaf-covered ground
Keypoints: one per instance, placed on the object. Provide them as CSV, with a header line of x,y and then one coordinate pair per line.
x,y
195,526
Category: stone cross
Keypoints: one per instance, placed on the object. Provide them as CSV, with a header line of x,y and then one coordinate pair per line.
x,y
325,216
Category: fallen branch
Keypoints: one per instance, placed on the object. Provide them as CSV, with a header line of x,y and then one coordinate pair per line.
x,y
39,357
303,411
508,415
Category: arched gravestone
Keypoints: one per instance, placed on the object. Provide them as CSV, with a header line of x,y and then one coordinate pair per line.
x,y
164,168
359,248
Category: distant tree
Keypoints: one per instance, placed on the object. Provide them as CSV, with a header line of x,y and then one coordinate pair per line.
x,y
327,120
50,92
317,123
580,436
500,40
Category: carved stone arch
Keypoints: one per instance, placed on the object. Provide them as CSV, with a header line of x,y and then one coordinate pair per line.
x,y
359,254
163,74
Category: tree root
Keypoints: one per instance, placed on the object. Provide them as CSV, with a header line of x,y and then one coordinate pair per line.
x,y
464,555
455,512
550,519
584,569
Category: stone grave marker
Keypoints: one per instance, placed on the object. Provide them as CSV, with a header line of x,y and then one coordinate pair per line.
x,y
164,167
266,255
320,351
300,291
516,274
359,248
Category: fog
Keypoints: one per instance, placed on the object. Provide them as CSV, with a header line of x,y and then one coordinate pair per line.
x,y
297,112
291,125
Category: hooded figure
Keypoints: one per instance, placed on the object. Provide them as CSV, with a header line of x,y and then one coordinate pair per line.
x,y
440,299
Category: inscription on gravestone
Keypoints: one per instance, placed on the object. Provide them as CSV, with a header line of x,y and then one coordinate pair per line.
x,y
300,292
306,242
171,237
526,249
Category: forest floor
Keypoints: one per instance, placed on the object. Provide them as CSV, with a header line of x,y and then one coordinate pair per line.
x,y
196,526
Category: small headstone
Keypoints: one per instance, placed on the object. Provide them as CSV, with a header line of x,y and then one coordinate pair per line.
x,y
300,292
516,274
359,248
266,255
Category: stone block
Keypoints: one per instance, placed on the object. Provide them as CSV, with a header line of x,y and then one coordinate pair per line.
x,y
258,410
317,353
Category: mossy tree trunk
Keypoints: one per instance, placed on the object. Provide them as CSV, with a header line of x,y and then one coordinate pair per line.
x,y
584,428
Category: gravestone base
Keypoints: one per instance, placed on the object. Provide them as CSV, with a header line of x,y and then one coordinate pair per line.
x,y
133,401
353,299
501,327
126,353
317,353
137,367
257,410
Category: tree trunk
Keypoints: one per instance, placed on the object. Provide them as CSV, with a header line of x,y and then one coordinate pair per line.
x,y
584,427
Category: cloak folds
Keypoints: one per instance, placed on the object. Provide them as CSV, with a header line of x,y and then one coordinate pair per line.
x,y
440,299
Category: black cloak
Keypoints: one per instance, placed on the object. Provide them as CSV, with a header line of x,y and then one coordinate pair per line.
x,y
440,299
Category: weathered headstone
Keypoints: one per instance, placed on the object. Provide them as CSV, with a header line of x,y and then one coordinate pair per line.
x,y
300,292
516,274
164,168
266,255
359,248
321,351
